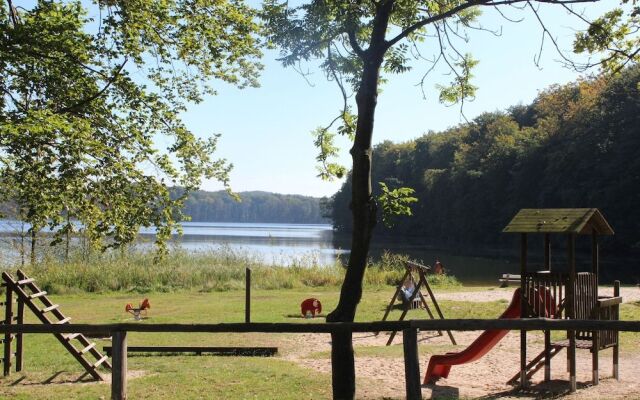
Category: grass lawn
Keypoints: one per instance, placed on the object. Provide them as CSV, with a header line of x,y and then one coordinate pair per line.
x,y
185,377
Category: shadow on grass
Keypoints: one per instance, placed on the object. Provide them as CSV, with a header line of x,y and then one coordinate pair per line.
x,y
55,379
300,316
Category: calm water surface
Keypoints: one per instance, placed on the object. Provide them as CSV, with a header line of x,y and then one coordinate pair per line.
x,y
306,245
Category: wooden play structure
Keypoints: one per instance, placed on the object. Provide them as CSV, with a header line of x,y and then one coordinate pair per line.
x,y
570,293
25,292
416,298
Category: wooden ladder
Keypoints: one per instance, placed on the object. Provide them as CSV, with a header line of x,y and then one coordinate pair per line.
x,y
49,313
534,365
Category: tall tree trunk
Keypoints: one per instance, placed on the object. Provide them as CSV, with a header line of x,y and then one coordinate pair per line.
x,y
68,238
34,236
363,210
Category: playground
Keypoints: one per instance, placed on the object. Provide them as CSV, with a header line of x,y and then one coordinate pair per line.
x,y
498,362
302,367
381,372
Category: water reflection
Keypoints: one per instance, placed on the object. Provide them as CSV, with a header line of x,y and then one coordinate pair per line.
x,y
278,244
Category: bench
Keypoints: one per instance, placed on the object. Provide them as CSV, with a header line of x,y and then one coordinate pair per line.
x,y
508,278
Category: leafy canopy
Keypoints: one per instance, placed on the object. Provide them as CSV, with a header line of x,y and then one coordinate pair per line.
x,y
90,126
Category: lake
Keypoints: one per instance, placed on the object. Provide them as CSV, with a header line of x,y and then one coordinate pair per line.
x,y
298,244
309,244
315,244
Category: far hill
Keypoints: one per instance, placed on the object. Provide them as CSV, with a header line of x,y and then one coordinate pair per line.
x,y
254,207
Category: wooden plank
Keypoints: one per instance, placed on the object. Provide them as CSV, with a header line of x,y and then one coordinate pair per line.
x,y
616,347
534,365
247,300
8,317
39,294
87,348
50,308
523,309
71,336
100,361
63,321
219,351
395,295
19,337
547,355
417,266
609,302
435,304
411,364
119,369
25,281
529,324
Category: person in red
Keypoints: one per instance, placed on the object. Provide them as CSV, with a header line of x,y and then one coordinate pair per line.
x,y
438,268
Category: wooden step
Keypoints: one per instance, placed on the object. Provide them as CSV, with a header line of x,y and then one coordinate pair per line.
x,y
28,294
25,281
89,347
51,308
39,294
100,361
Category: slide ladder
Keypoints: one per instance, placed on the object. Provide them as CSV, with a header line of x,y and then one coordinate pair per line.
x,y
534,365
32,296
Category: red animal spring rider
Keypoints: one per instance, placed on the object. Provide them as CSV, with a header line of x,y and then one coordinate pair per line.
x,y
311,307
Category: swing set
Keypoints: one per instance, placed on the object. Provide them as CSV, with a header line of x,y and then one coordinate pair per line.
x,y
410,296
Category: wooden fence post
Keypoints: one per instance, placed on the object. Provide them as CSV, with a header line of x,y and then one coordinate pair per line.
x,y
247,299
616,348
19,338
119,366
8,317
411,363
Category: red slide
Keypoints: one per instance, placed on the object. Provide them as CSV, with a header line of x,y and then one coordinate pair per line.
x,y
440,365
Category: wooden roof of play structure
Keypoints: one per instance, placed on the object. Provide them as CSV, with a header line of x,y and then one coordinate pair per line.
x,y
582,221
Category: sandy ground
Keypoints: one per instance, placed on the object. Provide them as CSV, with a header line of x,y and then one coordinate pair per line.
x,y
629,294
383,377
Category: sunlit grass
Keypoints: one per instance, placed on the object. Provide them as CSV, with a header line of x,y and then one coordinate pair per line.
x,y
216,270
184,377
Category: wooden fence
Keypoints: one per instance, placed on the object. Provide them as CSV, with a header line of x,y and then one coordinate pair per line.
x,y
118,332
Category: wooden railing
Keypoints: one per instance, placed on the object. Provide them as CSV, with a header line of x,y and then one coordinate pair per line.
x,y
410,329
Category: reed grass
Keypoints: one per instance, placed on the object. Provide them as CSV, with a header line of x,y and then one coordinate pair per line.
x,y
216,270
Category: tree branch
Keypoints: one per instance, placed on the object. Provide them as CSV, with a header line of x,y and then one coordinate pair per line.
x,y
464,6
353,41
13,13
89,99
435,18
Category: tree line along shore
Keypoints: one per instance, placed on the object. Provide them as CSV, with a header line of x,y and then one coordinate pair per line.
x,y
574,146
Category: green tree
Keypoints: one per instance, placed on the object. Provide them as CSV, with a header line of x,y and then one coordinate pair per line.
x,y
86,102
356,41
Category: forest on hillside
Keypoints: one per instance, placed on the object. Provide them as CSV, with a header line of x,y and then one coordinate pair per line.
x,y
255,206
575,145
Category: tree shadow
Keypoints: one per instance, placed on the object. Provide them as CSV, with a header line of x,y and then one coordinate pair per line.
x,y
55,379
442,392
553,389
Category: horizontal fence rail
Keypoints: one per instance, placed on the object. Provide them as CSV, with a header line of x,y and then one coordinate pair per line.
x,y
528,324
409,328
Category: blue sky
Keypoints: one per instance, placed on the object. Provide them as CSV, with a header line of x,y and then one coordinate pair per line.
x,y
266,131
